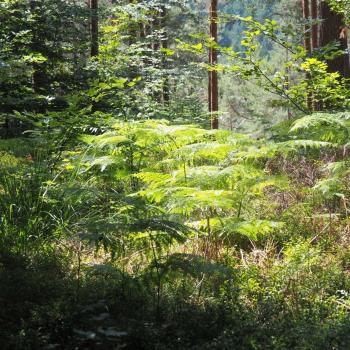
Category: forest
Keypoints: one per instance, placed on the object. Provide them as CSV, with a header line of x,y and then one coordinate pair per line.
x,y
174,175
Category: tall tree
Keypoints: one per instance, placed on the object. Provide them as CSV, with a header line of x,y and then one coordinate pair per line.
x,y
213,96
39,77
333,29
164,44
94,27
314,28
316,105
306,16
307,40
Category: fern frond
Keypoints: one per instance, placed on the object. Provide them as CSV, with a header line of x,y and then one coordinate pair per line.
x,y
204,153
320,119
249,228
326,127
341,168
197,266
272,150
109,139
153,179
171,231
190,200
331,187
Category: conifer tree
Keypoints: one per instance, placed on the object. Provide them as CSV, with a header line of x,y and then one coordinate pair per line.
x,y
213,58
332,30
94,27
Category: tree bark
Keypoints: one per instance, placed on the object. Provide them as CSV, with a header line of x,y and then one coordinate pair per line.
x,y
316,105
39,77
213,60
333,29
307,43
164,45
94,28
314,29
306,16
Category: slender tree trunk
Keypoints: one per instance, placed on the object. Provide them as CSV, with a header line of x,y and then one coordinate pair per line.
x,y
213,60
164,45
306,16
39,77
316,105
133,30
307,43
94,27
314,29
333,29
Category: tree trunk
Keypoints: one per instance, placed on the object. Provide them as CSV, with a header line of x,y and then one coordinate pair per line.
x,y
316,105
333,29
39,77
164,45
94,27
314,29
306,16
213,60
307,43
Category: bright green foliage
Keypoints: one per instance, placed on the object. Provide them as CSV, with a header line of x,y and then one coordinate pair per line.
x,y
36,37
187,175
126,224
139,75
300,76
342,7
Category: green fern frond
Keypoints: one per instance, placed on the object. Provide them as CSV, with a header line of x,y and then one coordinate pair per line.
x,y
197,266
154,180
329,188
209,153
320,119
228,227
325,127
272,150
190,200
103,162
253,229
109,139
170,230
341,168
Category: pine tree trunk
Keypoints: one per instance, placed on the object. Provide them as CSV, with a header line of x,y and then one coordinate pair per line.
x,y
306,16
164,45
314,29
333,29
39,77
316,105
213,59
307,43
94,27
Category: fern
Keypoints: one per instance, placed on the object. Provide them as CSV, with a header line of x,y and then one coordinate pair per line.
x,y
196,266
204,153
230,227
325,127
109,139
253,229
336,182
273,150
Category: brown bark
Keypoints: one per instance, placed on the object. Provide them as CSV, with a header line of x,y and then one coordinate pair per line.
x,y
213,60
307,42
316,105
94,28
306,16
314,29
164,45
333,29
39,77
